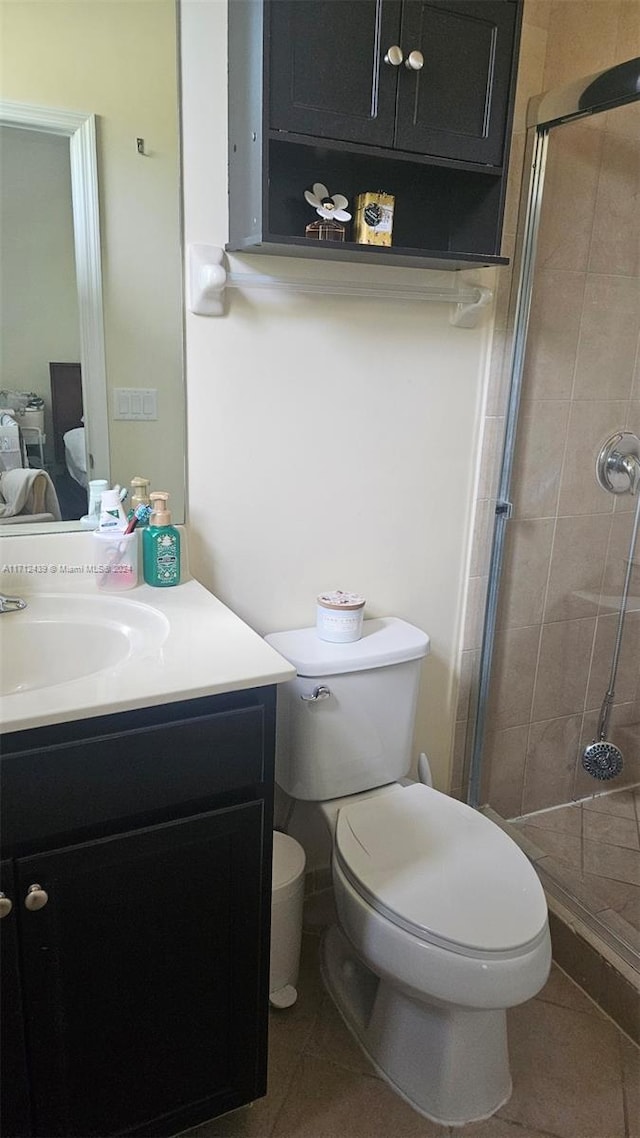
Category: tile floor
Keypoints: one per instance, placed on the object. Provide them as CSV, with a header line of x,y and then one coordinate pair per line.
x,y
593,847
575,1075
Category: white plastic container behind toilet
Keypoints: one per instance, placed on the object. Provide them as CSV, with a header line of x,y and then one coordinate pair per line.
x,y
286,919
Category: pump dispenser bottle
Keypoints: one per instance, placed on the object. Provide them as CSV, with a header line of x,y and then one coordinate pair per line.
x,y
160,545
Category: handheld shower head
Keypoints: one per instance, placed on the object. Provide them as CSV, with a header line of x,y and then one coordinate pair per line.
x,y
602,760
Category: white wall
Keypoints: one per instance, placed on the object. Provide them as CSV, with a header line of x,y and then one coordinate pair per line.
x,y
331,441
39,309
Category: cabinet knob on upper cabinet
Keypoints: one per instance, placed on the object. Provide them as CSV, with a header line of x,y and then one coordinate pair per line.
x,y
414,61
394,56
6,905
36,898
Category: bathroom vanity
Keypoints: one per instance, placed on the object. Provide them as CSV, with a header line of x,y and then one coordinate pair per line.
x,y
136,854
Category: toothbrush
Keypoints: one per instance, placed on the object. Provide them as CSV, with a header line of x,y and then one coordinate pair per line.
x,y
141,513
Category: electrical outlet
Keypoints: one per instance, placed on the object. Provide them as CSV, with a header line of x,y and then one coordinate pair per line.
x,y
138,403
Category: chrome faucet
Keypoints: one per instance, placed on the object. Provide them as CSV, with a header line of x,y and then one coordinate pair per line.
x,y
11,604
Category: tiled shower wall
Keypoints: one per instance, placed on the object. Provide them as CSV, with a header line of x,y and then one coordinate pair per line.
x,y
567,542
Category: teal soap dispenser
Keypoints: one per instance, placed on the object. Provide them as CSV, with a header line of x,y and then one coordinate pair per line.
x,y
160,544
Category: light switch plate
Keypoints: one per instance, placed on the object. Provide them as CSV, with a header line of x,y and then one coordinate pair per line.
x,y
138,403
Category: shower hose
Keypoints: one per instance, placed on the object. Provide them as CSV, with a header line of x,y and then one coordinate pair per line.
x,y
605,712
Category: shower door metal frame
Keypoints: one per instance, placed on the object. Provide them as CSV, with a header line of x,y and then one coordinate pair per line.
x,y
604,91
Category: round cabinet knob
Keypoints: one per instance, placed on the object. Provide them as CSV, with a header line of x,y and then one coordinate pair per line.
x,y
36,898
5,906
414,61
394,56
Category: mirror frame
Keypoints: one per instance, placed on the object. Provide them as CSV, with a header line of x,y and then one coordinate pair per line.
x,y
80,129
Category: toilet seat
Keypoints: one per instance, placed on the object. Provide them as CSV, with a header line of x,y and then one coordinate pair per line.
x,y
442,872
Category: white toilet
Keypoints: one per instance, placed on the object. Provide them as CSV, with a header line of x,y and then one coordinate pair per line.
x,y
442,919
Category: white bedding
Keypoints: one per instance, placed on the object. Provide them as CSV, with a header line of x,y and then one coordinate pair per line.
x,y
75,454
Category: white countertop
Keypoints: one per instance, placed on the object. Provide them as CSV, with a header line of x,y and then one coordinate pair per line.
x,y
207,650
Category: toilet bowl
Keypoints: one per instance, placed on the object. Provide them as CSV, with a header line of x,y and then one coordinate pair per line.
x,y
442,926
442,920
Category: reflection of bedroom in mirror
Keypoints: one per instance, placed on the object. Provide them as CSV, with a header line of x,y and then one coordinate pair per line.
x,y
91,268
43,465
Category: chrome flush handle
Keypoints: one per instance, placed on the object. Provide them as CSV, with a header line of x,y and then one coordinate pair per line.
x,y
321,692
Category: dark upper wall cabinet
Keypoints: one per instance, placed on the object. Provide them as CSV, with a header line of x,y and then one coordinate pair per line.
x,y
330,77
317,95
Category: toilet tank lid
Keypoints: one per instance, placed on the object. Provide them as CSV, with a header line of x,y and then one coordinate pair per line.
x,y
385,640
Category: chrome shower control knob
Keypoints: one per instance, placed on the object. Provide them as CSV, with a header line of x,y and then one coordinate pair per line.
x,y
394,56
414,61
6,905
36,898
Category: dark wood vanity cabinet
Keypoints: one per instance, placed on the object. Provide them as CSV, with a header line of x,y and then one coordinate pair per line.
x,y
136,996
315,96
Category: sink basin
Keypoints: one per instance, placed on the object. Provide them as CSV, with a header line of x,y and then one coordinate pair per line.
x,y
61,637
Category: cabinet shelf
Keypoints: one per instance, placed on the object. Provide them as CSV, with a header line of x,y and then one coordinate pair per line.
x,y
441,260
337,144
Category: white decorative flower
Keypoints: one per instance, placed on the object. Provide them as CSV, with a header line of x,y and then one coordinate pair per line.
x,y
325,205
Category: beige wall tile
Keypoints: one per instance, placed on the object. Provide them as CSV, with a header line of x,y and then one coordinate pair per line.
x,y
624,121
552,339
590,423
632,418
608,338
571,183
526,567
582,39
628,39
469,662
474,615
513,677
577,566
615,242
629,665
503,281
550,763
616,567
492,444
537,12
563,668
504,756
499,375
540,446
459,752
514,183
482,535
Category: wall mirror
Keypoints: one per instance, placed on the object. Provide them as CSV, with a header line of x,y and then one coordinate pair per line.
x,y
91,320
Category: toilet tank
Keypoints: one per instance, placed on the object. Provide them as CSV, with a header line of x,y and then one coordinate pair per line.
x,y
359,735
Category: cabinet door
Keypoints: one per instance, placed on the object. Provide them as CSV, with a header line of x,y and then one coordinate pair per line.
x,y
146,976
327,74
455,105
15,1094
